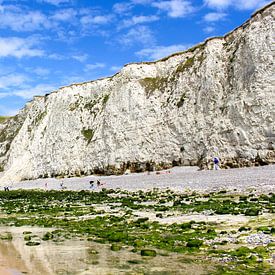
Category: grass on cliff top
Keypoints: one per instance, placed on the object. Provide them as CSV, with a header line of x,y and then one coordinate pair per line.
x,y
4,118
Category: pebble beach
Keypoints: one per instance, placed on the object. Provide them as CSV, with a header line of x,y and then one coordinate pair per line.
x,y
257,179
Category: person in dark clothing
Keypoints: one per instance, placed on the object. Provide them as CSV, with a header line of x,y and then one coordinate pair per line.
x,y
92,183
216,161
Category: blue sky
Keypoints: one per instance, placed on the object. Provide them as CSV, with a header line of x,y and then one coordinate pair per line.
x,y
46,44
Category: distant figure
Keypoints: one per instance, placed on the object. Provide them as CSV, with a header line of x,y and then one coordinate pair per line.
x,y
46,185
98,183
61,185
216,161
6,188
92,183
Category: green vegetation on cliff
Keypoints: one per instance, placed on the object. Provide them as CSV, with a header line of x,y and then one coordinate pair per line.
x,y
152,84
4,119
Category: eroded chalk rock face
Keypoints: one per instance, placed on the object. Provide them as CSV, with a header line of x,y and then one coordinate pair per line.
x,y
9,128
214,99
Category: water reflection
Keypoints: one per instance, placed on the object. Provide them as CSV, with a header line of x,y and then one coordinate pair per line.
x,y
79,256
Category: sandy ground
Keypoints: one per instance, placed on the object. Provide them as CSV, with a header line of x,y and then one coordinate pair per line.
x,y
8,271
75,257
258,179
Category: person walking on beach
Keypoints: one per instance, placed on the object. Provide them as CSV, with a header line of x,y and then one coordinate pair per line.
x,y
98,183
91,183
62,185
216,161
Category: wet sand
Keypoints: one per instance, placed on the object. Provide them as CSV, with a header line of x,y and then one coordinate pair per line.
x,y
77,256
7,271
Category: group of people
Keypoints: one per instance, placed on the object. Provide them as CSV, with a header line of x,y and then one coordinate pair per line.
x,y
62,187
216,166
98,183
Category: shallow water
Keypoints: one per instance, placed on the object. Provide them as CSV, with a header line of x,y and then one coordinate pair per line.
x,y
77,256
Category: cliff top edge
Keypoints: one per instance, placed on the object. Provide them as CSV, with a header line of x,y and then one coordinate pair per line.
x,y
192,49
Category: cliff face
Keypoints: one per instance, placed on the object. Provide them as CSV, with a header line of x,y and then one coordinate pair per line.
x,y
214,99
9,128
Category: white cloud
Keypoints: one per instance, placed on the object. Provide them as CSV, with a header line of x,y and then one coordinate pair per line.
x,y
141,2
101,19
55,2
175,8
250,4
159,52
125,7
80,57
64,15
18,47
209,29
69,79
56,56
90,67
140,34
30,92
135,20
20,20
122,8
40,71
115,68
12,80
20,85
218,4
239,4
214,16
95,20
2,95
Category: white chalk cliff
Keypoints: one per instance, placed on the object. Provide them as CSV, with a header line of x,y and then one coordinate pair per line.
x,y
216,98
